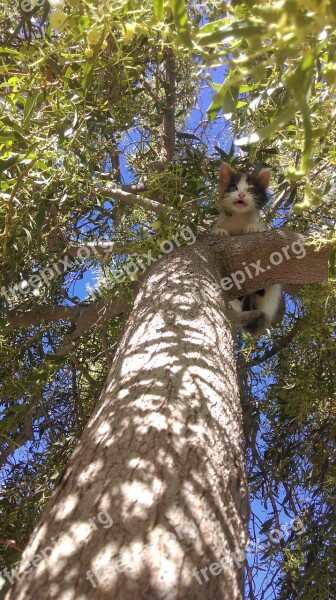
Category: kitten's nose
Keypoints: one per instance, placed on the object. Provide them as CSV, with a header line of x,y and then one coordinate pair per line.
x,y
241,195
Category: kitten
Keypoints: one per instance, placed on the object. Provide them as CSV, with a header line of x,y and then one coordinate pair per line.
x,y
241,196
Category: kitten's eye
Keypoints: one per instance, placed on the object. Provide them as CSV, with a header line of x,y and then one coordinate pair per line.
x,y
250,188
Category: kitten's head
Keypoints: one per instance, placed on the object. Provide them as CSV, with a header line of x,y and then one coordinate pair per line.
x,y
241,192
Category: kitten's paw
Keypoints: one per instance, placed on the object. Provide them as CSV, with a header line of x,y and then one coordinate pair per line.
x,y
219,231
254,227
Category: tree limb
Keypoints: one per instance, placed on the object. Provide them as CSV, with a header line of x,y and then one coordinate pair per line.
x,y
248,260
42,314
83,316
92,315
233,254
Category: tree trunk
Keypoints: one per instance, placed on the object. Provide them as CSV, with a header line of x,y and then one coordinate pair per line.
x,y
162,457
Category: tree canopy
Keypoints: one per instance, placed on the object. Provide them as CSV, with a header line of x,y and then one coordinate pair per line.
x,y
114,120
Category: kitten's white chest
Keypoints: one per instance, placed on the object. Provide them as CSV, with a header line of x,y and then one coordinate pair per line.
x,y
235,224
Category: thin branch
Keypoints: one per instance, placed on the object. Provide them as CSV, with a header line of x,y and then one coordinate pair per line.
x,y
169,111
134,188
261,466
279,199
106,348
91,316
250,581
81,368
111,191
104,249
11,543
243,366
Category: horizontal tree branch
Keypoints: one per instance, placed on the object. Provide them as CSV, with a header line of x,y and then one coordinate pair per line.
x,y
83,316
42,314
257,260
134,188
246,262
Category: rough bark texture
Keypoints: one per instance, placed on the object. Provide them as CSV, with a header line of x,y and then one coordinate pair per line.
x,y
298,263
162,456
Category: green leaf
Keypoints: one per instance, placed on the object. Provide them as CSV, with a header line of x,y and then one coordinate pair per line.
x,y
213,26
291,198
188,136
28,234
266,525
230,102
10,421
222,153
159,9
215,106
240,29
332,264
181,21
12,53
40,218
269,151
13,125
277,124
11,136
225,99
5,163
28,109
307,62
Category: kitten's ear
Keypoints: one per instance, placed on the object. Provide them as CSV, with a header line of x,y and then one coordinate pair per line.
x,y
264,178
225,174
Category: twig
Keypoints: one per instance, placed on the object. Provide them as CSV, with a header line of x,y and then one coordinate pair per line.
x,y
105,344
80,367
111,191
12,543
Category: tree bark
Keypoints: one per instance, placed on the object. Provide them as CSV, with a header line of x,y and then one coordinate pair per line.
x,y
162,457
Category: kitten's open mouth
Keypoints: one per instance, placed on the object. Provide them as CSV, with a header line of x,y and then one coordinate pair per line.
x,y
240,203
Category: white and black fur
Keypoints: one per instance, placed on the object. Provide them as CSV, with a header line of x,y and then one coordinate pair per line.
x,y
241,196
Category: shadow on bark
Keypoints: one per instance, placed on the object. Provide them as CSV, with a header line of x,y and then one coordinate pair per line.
x,y
162,457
